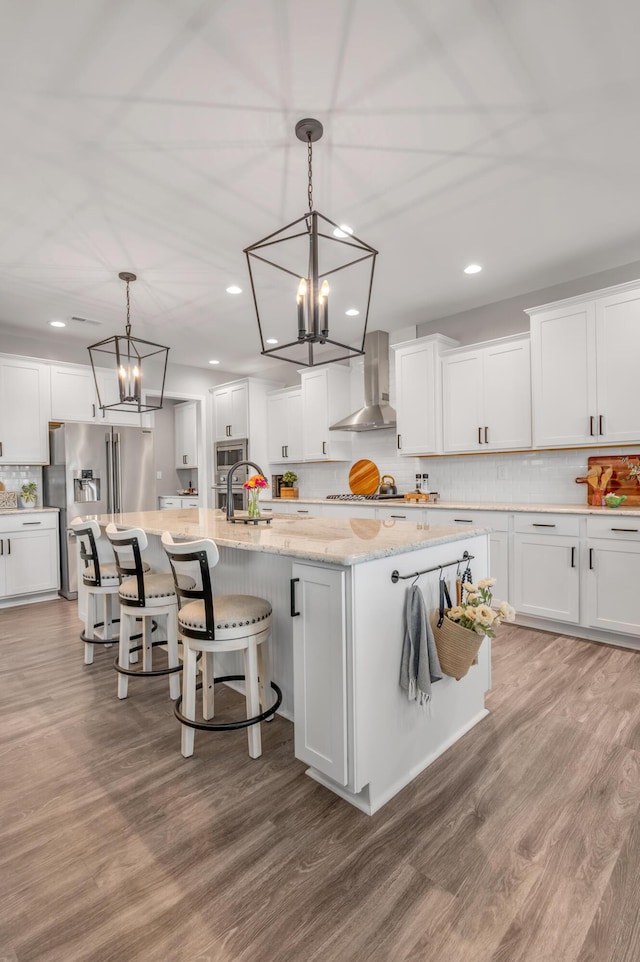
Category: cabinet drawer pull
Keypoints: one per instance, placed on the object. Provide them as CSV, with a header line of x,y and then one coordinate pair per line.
x,y
292,586
634,530
31,522
486,435
590,559
402,517
479,435
601,424
591,420
302,510
399,442
463,520
539,524
573,557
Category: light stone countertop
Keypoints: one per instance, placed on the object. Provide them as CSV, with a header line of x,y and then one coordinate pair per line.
x,y
19,511
343,541
541,508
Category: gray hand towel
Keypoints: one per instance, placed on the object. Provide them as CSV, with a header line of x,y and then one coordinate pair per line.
x,y
420,664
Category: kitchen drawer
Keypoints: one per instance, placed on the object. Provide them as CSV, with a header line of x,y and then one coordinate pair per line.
x,y
169,503
614,527
23,521
190,503
496,520
560,524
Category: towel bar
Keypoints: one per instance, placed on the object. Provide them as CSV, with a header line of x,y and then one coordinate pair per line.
x,y
396,576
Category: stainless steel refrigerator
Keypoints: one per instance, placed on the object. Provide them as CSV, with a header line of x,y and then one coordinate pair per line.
x,y
95,469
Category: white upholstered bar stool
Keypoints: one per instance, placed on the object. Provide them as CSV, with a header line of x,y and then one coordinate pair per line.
x,y
146,595
101,583
212,625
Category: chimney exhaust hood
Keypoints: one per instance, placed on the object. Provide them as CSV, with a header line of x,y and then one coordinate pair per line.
x,y
376,413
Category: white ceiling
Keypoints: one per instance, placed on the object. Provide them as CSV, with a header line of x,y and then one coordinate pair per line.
x,y
158,136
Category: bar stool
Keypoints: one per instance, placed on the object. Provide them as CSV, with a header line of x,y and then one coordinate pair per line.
x,y
145,595
213,625
101,582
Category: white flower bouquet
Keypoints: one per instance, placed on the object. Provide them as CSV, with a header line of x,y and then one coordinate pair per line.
x,y
476,613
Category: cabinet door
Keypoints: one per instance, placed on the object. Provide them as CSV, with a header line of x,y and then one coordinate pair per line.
x,y
316,419
231,414
462,402
415,400
618,350
73,394
186,435
545,580
613,573
563,370
25,412
110,394
31,561
507,395
499,565
319,670
222,413
276,427
293,443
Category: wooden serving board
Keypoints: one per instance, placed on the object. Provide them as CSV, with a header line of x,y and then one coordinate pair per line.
x,y
364,478
625,478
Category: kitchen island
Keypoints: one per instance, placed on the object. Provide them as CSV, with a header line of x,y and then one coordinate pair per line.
x,y
338,627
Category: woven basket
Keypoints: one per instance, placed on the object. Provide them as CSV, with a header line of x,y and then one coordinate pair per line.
x,y
457,646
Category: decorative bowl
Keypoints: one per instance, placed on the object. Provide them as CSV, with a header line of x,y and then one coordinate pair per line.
x,y
614,500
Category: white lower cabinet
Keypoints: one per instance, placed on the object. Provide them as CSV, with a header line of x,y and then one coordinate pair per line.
x,y
498,523
319,669
28,555
546,575
168,503
613,571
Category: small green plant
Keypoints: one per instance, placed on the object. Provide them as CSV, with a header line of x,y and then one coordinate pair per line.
x,y
289,479
29,492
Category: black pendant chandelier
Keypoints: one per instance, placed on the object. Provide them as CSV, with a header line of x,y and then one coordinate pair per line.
x,y
128,353
324,267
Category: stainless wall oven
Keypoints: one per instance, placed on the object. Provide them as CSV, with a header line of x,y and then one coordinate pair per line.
x,y
228,453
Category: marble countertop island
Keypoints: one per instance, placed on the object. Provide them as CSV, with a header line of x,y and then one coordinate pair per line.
x,y
343,541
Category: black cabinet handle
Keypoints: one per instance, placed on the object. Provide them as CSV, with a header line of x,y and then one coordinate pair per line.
x,y
399,441
9,545
286,450
590,559
302,510
1,547
601,424
539,524
591,420
573,557
635,530
463,520
31,522
479,435
93,408
0,449
292,585
324,447
401,517
486,435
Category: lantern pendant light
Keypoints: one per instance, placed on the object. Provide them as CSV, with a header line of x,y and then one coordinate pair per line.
x,y
128,353
324,267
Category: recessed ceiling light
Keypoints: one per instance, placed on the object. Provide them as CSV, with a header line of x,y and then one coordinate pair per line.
x,y
352,312
343,231
272,340
234,289
472,269
57,324
214,362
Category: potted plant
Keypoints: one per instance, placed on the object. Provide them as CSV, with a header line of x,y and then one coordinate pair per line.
x,y
29,494
287,486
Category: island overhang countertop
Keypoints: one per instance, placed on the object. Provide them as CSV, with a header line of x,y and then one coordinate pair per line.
x,y
342,541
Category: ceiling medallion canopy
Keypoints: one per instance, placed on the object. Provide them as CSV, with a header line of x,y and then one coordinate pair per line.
x,y
321,271
127,353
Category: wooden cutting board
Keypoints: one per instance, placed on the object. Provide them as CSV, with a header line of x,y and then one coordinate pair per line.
x,y
364,478
625,478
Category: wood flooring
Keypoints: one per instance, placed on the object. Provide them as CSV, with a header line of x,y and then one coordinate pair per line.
x,y
520,844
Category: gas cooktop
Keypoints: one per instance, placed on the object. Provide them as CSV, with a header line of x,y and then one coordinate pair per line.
x,y
365,497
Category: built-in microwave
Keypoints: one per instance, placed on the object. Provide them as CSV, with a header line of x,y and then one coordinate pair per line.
x,y
228,453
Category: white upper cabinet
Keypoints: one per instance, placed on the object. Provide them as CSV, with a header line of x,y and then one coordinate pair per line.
x,y
487,396
73,394
186,434
325,400
584,364
25,411
418,395
231,411
284,425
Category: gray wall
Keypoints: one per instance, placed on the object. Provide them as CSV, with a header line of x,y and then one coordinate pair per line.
x,y
503,318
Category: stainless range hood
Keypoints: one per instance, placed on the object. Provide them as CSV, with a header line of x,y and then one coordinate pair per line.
x,y
376,413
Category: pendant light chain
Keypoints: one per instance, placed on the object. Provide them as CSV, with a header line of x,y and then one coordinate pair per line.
x,y
310,185
128,311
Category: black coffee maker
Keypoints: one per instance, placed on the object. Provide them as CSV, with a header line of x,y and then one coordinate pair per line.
x,y
276,484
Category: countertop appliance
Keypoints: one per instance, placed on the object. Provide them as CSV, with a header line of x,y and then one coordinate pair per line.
x,y
365,497
96,469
